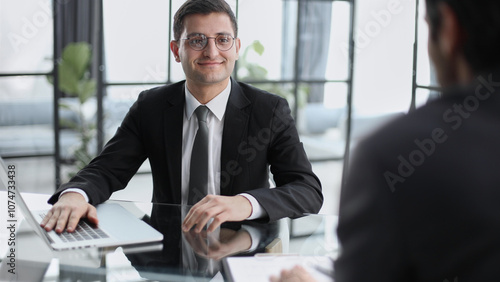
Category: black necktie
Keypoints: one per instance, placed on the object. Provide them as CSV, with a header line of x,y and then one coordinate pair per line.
x,y
198,176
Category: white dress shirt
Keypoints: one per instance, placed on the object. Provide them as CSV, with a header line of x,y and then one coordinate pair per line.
x,y
215,123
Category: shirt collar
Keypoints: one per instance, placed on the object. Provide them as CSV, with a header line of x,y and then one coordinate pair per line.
x,y
217,105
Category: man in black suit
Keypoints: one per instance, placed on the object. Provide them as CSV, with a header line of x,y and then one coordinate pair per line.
x,y
421,199
248,130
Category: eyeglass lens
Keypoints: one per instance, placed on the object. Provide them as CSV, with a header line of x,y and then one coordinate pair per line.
x,y
199,42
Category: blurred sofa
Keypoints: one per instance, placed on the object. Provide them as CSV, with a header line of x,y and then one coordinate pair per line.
x,y
26,128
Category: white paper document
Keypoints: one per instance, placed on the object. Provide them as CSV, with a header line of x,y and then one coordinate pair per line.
x,y
261,268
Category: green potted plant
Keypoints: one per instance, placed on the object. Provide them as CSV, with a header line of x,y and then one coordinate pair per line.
x,y
74,80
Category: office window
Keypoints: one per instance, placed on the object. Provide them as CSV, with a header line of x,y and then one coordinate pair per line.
x,y
26,28
26,116
263,25
26,96
383,71
136,40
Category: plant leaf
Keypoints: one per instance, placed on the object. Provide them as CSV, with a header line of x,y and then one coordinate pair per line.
x,y
258,47
256,72
68,80
50,78
87,89
77,57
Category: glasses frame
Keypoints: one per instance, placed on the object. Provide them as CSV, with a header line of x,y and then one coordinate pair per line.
x,y
206,42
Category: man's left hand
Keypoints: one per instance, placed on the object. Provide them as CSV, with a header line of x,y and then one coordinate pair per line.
x,y
220,208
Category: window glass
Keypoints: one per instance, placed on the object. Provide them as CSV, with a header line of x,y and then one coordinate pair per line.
x,y
261,21
26,33
315,20
136,40
324,113
26,116
383,64
335,95
338,55
425,73
422,97
25,88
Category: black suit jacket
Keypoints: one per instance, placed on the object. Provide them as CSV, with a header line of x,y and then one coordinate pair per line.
x,y
258,131
422,197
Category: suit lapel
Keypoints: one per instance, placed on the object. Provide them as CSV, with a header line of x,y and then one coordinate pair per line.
x,y
173,120
235,131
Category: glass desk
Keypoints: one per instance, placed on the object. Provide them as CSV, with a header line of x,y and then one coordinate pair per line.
x,y
180,256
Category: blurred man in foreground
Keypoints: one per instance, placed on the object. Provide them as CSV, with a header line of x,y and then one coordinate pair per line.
x,y
421,201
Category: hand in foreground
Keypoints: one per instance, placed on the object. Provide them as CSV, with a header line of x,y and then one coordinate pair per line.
x,y
220,208
229,242
67,211
296,274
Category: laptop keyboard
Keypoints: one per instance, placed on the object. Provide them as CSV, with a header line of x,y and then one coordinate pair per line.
x,y
83,231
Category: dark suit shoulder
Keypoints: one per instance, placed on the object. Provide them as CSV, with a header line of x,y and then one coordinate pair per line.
x,y
162,94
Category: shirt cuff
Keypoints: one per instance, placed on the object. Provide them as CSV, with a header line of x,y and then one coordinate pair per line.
x,y
77,190
257,210
255,236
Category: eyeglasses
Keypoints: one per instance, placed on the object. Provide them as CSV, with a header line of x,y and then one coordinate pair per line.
x,y
198,42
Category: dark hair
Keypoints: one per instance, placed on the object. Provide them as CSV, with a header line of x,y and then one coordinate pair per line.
x,y
480,22
204,7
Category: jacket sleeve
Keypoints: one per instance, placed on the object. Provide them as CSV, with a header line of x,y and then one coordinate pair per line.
x,y
116,164
298,190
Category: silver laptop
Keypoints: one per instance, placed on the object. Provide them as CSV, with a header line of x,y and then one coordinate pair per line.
x,y
117,226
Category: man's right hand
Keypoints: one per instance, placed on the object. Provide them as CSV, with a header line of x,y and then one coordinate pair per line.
x,y
67,212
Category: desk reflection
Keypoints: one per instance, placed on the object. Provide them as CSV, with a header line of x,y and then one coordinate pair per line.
x,y
179,256
199,254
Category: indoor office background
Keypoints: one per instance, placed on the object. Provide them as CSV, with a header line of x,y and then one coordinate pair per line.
x,y
299,49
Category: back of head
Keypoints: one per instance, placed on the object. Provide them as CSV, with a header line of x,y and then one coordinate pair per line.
x,y
203,7
480,22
